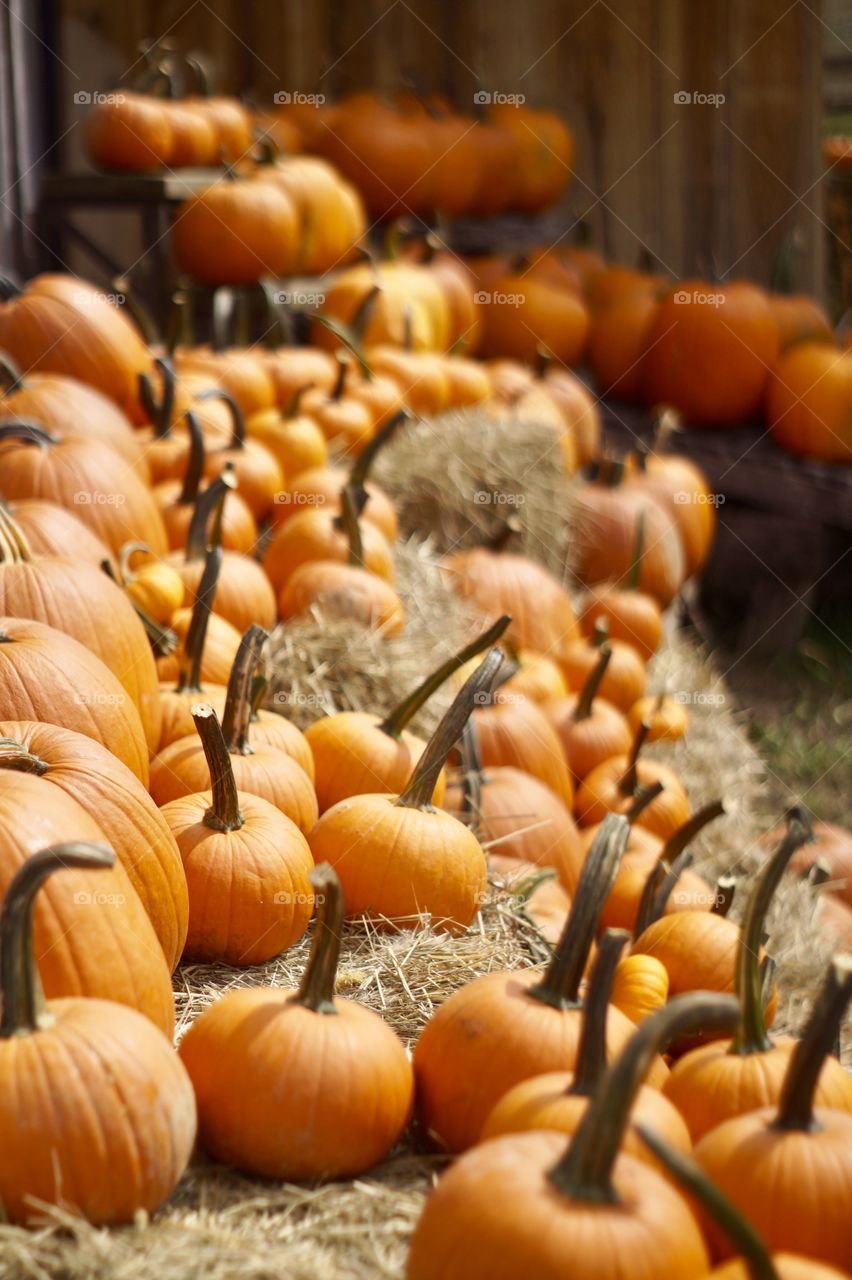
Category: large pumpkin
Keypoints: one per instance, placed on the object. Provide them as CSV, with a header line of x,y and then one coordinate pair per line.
x,y
236,232
809,402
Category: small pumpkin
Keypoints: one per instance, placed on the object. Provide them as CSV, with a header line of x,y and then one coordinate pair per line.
x,y
613,785
807,402
511,730
246,864
624,678
666,717
257,472
292,437
207,643
621,516
152,585
630,615
111,1128
590,729
349,1082
641,987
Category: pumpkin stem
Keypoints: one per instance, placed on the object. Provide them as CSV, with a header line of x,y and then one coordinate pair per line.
x,y
418,793
224,812
11,378
189,676
363,313
177,328
560,986
211,501
396,720
339,387
14,755
692,1179
24,1010
159,411
363,463
751,1034
592,683
316,990
584,1173
796,1110
291,409
641,799
128,549
472,777
591,1052
630,779
659,888
600,633
194,463
27,433
259,685
631,581
351,527
238,422
726,887
237,714
687,831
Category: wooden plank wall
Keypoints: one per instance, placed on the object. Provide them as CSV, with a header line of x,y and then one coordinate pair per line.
x,y
701,188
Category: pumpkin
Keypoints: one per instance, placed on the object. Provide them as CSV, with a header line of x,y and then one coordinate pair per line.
x,y
517,732
133,132
69,409
259,477
624,677
832,846
524,313
619,336
272,772
615,281
322,487
619,517
756,1159
242,373
612,786
59,324
665,717
522,1202
560,1099
630,615
92,936
81,600
799,319
700,329
152,585
538,678
236,232
420,375
527,1023
545,153
342,591
246,864
356,752
51,530
49,676
177,500
331,215
292,368
807,402
682,488
641,987
315,534
543,617
116,800
221,641
712,1083
590,729
98,1106
347,423
349,1083
398,857
398,304
579,410
100,487
293,438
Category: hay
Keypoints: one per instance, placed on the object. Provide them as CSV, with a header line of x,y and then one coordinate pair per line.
x,y
228,1227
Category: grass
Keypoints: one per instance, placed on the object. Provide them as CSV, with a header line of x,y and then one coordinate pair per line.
x,y
799,709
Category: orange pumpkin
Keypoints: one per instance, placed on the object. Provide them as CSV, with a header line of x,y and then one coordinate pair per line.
x,y
613,787
808,402
590,729
235,232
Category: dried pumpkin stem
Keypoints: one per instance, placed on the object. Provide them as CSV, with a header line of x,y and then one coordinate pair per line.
x,y
189,676
194,463
641,799
694,1181
316,990
726,888
560,986
27,433
591,1052
238,422
292,408
631,582
421,786
23,999
339,387
237,714
645,909
796,1110
159,411
687,831
224,812
14,755
129,549
472,776
584,1173
351,526
630,778
209,504
592,683
394,723
751,1034
11,378
363,464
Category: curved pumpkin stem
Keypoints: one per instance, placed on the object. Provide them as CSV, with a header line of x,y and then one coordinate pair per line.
x,y
11,378
796,1110
209,504
396,720
751,1034
238,704
160,411
23,999
339,387
363,464
189,676
421,786
641,799
291,410
592,683
695,1183
194,463
560,986
224,812
27,432
584,1173
14,755
316,990
591,1052
238,422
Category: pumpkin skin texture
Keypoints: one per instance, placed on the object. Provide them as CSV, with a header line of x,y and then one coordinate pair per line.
x,y
321,487
243,591
788,1266
519,734
220,649
608,550
494,1215
624,680
599,794
352,755
69,408
125,813
311,536
588,741
48,676
104,948
51,530
691,342
808,402
236,233
133,134
270,729
631,616
342,591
